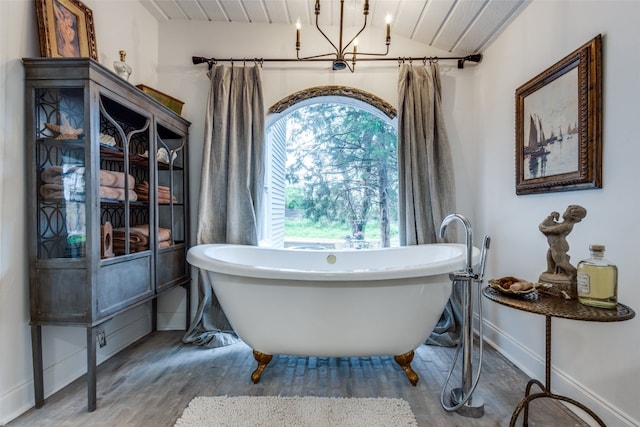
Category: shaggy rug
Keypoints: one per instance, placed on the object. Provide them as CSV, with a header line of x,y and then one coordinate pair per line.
x,y
276,411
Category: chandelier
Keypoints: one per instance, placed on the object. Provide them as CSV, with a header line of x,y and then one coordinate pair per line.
x,y
341,54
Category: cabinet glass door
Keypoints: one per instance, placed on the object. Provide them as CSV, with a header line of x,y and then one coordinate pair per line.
x,y
171,188
60,168
124,174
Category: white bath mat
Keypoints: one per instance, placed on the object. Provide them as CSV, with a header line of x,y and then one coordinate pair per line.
x,y
275,411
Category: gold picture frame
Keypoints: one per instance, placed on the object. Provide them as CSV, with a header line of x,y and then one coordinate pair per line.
x,y
66,29
559,125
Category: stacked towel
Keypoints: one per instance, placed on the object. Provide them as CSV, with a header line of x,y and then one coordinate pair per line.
x,y
62,192
68,183
164,193
139,238
63,183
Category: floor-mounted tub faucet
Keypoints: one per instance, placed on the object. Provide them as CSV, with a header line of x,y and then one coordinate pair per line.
x,y
468,241
461,398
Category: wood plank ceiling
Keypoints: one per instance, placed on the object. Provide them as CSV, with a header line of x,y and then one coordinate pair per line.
x,y
461,27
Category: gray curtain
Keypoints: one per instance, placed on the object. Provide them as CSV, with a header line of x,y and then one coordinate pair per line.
x,y
425,168
231,184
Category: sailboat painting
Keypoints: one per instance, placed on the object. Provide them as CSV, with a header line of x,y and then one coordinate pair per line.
x,y
559,125
551,128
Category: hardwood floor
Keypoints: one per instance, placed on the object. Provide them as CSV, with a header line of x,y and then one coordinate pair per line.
x,y
151,383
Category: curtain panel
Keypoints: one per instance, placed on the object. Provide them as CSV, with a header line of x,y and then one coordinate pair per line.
x,y
425,173
231,184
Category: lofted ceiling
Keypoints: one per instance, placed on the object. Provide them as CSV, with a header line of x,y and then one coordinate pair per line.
x,y
461,27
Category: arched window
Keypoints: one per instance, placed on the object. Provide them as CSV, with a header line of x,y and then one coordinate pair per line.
x,y
331,170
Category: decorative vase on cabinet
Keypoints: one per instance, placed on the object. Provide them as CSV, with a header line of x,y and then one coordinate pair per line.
x,y
108,225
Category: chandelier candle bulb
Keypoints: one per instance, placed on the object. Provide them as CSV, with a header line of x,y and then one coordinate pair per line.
x,y
597,280
388,22
298,25
355,50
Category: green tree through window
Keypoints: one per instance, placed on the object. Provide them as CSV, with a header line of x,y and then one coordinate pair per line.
x,y
342,172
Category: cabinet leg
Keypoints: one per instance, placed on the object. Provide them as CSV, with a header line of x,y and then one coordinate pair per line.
x,y
154,314
91,368
36,354
187,289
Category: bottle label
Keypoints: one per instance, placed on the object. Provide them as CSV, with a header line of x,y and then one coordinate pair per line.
x,y
584,284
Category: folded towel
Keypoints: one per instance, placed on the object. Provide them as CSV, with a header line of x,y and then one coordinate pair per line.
x,y
62,192
166,201
117,194
164,234
115,179
144,187
135,237
61,174
163,192
54,174
138,238
119,247
56,192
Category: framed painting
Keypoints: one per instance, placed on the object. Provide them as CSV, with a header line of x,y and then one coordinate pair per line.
x,y
559,125
66,29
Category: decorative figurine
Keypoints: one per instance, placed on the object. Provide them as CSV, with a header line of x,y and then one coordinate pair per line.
x,y
560,272
122,68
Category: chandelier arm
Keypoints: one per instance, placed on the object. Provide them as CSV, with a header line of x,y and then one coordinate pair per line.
x,y
350,54
323,55
355,37
364,25
351,68
326,37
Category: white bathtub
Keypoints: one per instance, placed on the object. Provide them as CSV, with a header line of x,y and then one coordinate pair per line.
x,y
332,303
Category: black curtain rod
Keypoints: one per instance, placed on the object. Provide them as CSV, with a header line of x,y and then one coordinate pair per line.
x,y
476,57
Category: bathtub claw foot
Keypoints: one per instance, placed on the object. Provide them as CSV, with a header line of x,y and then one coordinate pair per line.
x,y
263,360
404,360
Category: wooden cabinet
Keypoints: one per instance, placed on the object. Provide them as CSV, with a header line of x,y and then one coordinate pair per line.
x,y
107,203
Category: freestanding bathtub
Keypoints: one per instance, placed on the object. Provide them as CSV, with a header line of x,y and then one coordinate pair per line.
x,y
351,303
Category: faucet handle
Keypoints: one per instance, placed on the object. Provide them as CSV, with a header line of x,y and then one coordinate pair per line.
x,y
462,275
483,256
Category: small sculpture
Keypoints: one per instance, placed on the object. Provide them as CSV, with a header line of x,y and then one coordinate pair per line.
x,y
122,68
560,271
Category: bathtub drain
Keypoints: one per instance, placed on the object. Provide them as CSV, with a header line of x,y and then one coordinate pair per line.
x,y
331,259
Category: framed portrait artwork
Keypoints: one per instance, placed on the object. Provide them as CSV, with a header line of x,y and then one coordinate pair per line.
x,y
66,29
559,125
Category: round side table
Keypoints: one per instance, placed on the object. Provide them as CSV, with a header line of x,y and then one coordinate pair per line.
x,y
553,306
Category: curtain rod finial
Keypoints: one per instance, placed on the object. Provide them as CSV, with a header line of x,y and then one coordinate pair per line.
x,y
476,57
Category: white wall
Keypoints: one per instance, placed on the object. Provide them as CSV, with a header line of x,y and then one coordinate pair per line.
x,y
595,363
119,25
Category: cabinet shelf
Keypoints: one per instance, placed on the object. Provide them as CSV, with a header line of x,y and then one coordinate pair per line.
x,y
64,144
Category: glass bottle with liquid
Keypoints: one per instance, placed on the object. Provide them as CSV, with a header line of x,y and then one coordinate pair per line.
x,y
597,280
